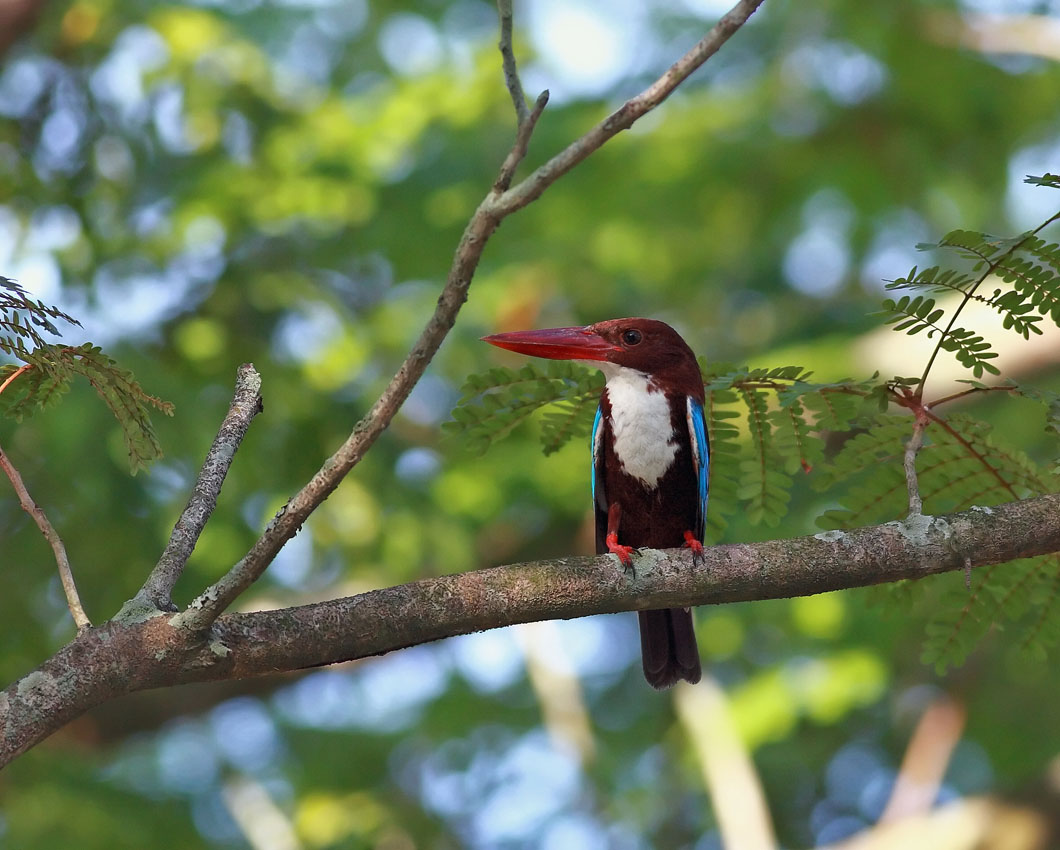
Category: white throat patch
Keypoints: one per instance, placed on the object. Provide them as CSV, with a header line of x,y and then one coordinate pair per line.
x,y
640,421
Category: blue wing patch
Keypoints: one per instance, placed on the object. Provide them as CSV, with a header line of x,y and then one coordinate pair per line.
x,y
598,435
697,430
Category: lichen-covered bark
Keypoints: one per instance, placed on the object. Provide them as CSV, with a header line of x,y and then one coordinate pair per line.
x,y
120,658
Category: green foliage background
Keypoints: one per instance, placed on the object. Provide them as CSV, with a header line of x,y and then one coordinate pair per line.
x,y
203,185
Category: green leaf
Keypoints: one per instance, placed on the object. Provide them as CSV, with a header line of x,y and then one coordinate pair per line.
x,y
497,401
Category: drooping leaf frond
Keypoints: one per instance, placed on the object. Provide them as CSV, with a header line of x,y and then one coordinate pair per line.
x,y
916,314
751,467
496,401
52,367
1026,266
22,319
725,451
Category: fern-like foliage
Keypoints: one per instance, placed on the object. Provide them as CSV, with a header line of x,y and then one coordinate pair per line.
x,y
765,426
22,319
752,467
914,315
48,369
496,401
1027,266
962,464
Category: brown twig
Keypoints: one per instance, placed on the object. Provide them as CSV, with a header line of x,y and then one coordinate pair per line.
x,y
66,575
155,595
19,371
511,71
525,118
912,448
522,142
485,220
623,118
971,391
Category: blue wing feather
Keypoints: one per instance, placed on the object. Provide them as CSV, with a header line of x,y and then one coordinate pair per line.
x,y
597,437
697,430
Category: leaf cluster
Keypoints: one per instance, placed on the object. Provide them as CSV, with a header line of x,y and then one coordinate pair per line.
x,y
48,370
495,402
785,420
766,425
1025,274
22,319
962,464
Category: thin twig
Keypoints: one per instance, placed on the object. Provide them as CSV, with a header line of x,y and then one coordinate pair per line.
x,y
531,188
526,119
485,220
20,370
912,448
246,404
968,447
66,575
522,142
972,391
511,71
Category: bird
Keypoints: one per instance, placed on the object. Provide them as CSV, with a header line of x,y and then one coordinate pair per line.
x,y
650,459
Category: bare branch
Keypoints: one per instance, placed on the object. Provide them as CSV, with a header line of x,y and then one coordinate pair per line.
x,y
624,117
511,71
120,658
10,378
522,142
66,575
493,209
972,391
912,449
246,404
526,119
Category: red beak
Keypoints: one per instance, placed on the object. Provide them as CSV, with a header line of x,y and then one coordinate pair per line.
x,y
556,343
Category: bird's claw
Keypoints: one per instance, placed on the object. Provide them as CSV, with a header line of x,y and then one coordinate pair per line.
x,y
624,553
696,547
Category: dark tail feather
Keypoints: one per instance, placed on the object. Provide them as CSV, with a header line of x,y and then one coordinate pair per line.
x,y
668,647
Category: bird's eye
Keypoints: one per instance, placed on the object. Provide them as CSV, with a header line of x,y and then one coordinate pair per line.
x,y
631,337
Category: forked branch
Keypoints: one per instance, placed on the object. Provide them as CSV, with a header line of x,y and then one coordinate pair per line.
x,y
494,208
246,404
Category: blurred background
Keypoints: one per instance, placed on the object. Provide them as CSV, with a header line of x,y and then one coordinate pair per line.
x,y
284,182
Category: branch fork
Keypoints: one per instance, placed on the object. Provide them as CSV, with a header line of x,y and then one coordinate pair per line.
x,y
168,650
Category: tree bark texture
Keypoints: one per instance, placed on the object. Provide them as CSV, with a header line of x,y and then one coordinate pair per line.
x,y
121,657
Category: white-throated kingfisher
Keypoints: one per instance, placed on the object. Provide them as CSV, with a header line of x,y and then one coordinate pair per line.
x,y
649,459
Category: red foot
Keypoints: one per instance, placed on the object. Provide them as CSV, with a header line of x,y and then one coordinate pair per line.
x,y
625,553
694,545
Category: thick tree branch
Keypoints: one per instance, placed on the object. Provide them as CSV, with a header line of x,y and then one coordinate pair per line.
x,y
66,575
246,404
119,658
485,220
